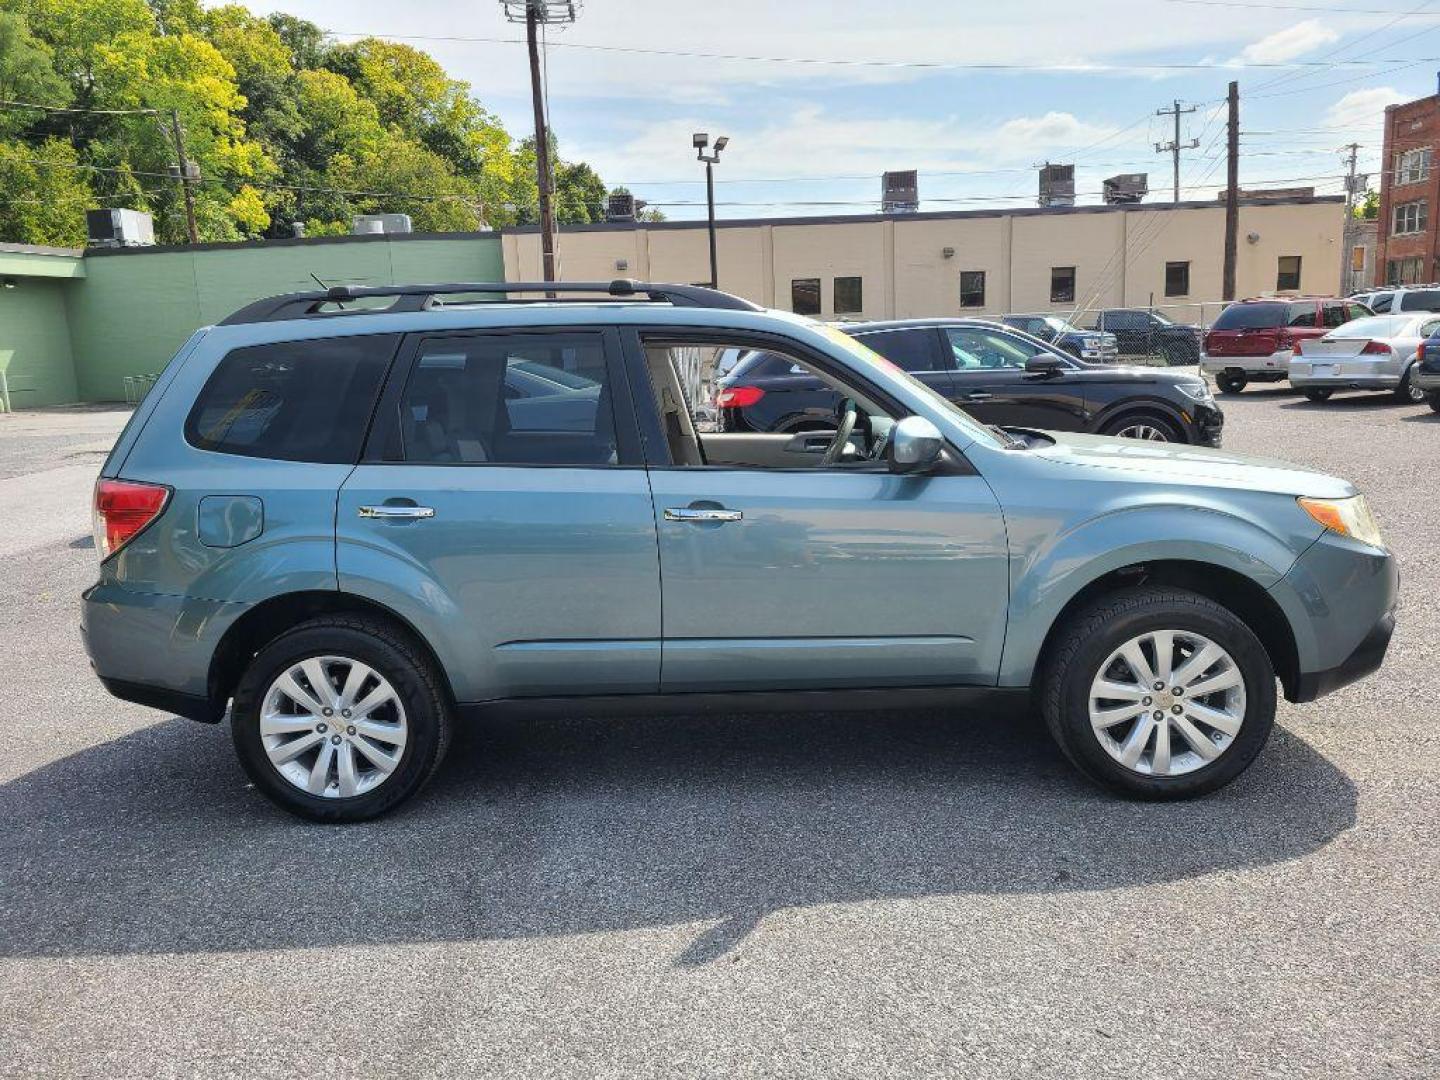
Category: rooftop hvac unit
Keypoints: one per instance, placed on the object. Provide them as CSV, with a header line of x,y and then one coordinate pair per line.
x,y
377,224
622,206
119,228
1057,185
1128,187
900,192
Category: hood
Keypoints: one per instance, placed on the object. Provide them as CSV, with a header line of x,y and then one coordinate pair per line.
x,y
1131,459
1136,372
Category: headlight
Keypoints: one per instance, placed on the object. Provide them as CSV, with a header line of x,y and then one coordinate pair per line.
x,y
1196,391
1349,517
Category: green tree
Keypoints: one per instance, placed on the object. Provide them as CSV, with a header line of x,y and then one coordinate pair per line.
x,y
1368,207
42,204
27,73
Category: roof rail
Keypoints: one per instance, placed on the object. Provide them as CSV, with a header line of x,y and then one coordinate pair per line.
x,y
305,305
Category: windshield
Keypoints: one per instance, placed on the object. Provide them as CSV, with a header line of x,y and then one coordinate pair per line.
x,y
1060,326
1158,317
866,357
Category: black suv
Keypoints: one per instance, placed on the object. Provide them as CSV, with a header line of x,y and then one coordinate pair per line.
x,y
1139,332
1091,345
995,373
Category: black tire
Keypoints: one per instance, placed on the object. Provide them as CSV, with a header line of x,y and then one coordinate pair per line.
x,y
391,653
1405,393
1433,399
1090,637
1227,383
1318,395
1158,421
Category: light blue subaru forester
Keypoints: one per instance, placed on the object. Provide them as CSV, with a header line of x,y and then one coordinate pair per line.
x,y
355,517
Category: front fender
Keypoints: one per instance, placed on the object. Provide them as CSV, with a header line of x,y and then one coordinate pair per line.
x,y
1048,571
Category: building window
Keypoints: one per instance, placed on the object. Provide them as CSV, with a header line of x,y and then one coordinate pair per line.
x,y
1287,277
1410,217
1412,166
1062,284
1177,279
1358,255
849,297
1403,271
972,288
805,296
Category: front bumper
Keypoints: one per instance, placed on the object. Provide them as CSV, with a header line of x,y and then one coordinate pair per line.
x,y
1339,599
1207,424
1273,367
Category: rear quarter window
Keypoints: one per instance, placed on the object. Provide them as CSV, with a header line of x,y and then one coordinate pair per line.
x,y
293,400
1421,300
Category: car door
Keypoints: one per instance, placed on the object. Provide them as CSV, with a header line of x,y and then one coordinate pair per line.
x,y
808,576
992,385
503,506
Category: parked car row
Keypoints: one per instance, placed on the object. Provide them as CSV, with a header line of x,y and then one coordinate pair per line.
x,y
1322,345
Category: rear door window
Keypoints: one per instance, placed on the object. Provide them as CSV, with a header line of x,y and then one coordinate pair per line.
x,y
1334,315
1421,300
293,400
913,349
1302,315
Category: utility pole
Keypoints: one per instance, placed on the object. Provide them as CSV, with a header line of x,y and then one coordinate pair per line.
x,y
1353,184
185,176
1232,191
534,13
1174,147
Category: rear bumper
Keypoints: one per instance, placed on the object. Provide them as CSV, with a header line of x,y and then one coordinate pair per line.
x,y
1344,374
1273,366
155,649
1425,380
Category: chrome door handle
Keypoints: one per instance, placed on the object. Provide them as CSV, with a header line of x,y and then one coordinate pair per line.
x,y
397,513
979,395
701,513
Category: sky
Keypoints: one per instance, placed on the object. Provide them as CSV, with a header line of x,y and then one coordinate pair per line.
x,y
819,98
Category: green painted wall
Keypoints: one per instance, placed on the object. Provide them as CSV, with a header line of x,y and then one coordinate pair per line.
x,y
134,309
35,349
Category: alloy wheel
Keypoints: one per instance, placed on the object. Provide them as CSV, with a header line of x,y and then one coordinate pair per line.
x,y
1142,430
1167,702
333,727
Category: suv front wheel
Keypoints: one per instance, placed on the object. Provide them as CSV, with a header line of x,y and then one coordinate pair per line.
x,y
1159,693
340,719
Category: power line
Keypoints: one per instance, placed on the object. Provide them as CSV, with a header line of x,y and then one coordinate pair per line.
x,y
1304,7
937,65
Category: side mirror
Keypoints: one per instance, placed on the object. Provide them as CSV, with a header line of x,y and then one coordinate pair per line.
x,y
1045,365
915,445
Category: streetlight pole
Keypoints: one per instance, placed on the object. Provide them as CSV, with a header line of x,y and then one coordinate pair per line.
x,y
700,141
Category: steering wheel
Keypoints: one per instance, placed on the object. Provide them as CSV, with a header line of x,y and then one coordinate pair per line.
x,y
842,433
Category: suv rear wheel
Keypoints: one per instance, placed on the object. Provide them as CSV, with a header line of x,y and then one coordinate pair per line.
x,y
1159,693
340,719
1228,382
1433,398
1319,395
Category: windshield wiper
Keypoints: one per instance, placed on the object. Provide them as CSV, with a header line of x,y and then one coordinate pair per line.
x,y
1009,440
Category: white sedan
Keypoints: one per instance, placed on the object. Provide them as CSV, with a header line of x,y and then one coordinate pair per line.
x,y
1374,353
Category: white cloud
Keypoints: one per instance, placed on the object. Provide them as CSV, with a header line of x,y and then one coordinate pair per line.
x,y
1289,43
1363,110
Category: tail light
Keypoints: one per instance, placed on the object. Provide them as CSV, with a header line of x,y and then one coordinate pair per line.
x,y
122,509
1420,351
1300,348
1376,348
738,397
1283,340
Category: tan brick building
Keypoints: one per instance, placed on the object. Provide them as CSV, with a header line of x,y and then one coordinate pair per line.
x,y
974,262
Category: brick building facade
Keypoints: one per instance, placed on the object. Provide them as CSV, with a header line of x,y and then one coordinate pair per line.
x,y
1408,246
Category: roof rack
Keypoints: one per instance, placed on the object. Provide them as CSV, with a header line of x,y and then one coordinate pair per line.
x,y
306,305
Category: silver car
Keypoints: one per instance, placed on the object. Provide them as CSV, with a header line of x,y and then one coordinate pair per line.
x,y
1375,353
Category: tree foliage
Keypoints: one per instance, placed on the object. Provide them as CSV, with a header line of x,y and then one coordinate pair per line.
x,y
285,125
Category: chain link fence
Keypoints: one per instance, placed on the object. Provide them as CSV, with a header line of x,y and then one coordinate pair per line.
x,y
1167,335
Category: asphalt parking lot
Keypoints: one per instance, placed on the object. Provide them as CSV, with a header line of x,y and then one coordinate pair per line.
x,y
881,895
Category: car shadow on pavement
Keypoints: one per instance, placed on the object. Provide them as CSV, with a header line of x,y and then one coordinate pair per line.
x,y
155,843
